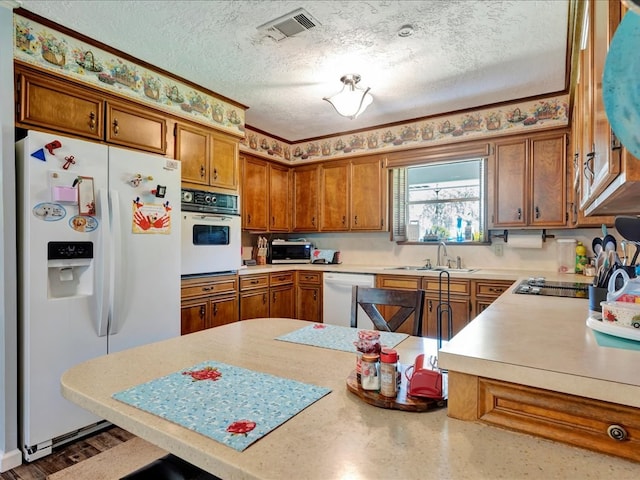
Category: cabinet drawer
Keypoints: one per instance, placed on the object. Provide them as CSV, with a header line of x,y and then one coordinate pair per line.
x,y
400,282
310,278
459,287
491,288
579,421
250,282
281,278
209,289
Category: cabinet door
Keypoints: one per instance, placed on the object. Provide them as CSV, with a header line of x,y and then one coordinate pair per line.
x,y
548,180
193,149
61,106
254,304
334,203
305,198
135,127
223,171
282,304
194,315
254,194
368,195
279,194
223,310
605,160
458,308
309,303
509,181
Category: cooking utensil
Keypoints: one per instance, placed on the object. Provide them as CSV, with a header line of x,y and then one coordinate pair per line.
x,y
629,228
596,246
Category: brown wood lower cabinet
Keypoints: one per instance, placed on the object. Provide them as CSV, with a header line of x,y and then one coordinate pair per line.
x,y
593,424
309,296
446,299
267,295
208,302
486,292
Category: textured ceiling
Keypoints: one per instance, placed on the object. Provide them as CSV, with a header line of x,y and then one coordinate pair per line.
x,y
463,54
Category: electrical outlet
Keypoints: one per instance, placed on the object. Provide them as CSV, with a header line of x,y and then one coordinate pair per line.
x,y
498,249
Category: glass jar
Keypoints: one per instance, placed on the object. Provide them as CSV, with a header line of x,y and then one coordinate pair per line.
x,y
388,372
370,371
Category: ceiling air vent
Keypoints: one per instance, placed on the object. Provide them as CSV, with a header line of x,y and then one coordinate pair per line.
x,y
289,25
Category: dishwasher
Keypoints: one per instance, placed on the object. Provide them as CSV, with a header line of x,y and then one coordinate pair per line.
x,y
336,303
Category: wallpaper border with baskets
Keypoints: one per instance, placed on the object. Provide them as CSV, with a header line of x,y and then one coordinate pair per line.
x,y
49,49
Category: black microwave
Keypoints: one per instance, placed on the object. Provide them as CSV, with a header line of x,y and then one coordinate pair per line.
x,y
290,251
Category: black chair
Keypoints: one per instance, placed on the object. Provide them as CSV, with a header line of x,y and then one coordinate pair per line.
x,y
170,467
409,302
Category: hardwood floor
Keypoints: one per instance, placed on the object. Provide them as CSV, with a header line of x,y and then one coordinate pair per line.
x,y
69,454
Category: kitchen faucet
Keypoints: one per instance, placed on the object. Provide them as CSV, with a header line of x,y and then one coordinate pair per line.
x,y
441,259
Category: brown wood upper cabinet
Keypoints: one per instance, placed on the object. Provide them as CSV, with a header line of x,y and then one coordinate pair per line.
x,y
48,102
353,195
266,189
132,126
45,102
208,158
306,186
527,181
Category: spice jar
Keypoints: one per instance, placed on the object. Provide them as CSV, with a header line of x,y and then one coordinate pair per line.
x,y
370,376
368,342
388,372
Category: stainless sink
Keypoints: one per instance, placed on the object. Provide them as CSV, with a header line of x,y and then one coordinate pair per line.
x,y
434,269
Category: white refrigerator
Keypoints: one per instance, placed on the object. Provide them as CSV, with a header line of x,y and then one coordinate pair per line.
x,y
99,269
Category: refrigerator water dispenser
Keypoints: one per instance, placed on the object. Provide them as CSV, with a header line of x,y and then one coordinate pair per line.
x,y
70,269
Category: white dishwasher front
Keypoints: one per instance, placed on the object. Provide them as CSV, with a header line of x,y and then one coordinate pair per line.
x,y
336,303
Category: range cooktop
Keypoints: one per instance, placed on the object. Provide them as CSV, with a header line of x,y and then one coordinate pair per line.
x,y
541,286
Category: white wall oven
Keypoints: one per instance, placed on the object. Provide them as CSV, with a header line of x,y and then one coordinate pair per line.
x,y
211,233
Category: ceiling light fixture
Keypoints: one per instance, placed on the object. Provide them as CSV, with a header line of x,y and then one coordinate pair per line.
x,y
351,101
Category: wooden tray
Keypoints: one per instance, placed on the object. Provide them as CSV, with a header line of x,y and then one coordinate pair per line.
x,y
401,402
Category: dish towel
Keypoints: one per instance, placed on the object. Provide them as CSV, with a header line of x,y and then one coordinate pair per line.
x,y
223,402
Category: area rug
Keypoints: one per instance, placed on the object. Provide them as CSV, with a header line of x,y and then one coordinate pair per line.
x,y
114,463
232,405
336,337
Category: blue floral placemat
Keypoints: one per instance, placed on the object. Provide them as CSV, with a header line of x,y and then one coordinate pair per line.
x,y
229,404
336,337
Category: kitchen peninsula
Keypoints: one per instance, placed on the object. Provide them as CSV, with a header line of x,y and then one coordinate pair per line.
x,y
339,436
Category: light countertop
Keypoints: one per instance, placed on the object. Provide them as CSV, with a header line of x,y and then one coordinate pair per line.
x,y
544,342
339,436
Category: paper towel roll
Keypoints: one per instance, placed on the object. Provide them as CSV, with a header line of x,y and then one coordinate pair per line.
x,y
527,240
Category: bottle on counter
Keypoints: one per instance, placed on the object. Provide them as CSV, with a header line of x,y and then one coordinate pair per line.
x,y
370,371
388,372
581,258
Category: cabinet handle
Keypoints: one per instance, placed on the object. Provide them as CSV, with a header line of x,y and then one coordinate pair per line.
x,y
215,173
430,306
496,290
519,214
615,143
315,295
617,432
116,127
264,298
273,221
344,220
254,282
249,219
588,166
92,120
274,298
202,171
202,311
207,289
355,220
313,221
537,212
215,309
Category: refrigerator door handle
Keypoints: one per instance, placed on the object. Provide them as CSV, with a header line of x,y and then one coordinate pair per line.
x,y
118,279
105,268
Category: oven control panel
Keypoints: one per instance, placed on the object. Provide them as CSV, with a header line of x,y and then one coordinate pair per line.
x,y
209,202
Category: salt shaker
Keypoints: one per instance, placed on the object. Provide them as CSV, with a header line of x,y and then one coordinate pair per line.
x,y
388,372
370,371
